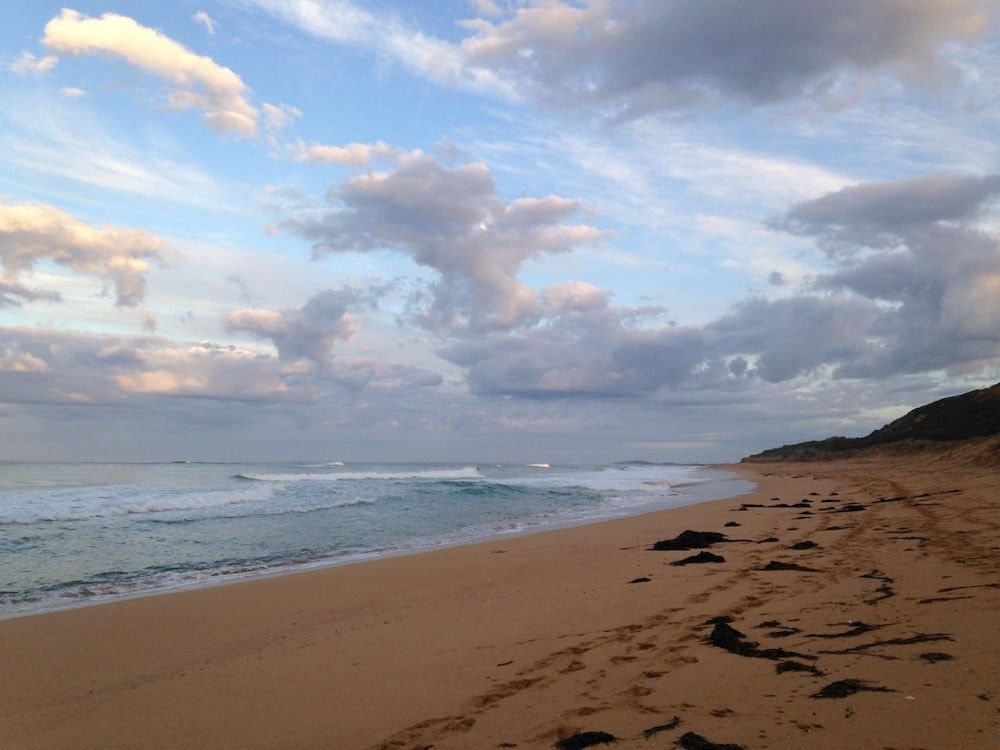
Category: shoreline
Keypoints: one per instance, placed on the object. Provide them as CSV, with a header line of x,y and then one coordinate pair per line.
x,y
367,557
526,640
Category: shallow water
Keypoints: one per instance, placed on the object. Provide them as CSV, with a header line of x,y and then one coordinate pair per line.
x,y
72,534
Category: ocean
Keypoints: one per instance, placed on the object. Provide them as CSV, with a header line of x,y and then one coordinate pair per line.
x,y
80,533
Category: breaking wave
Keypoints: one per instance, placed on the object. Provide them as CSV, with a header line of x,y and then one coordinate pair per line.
x,y
97,505
469,472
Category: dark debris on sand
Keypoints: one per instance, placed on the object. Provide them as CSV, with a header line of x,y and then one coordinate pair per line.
x,y
909,641
688,539
848,687
796,666
692,741
728,638
641,579
883,592
672,724
857,628
731,524
586,739
808,544
701,557
933,657
778,565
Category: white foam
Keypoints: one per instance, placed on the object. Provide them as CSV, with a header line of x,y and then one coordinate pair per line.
x,y
338,504
101,506
539,466
469,472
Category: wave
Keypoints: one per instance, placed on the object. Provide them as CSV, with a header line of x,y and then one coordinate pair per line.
x,y
267,512
469,472
321,466
155,504
539,466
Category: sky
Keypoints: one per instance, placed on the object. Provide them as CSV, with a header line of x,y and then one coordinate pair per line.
x,y
490,230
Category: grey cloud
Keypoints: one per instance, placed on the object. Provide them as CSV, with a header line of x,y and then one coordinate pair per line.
x,y
928,301
89,369
42,366
877,215
580,354
14,295
307,332
450,219
358,373
913,247
658,54
796,335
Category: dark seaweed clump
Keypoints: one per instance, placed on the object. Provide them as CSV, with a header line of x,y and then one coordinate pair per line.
x,y
846,688
778,565
586,739
690,540
808,544
796,666
726,637
692,741
701,557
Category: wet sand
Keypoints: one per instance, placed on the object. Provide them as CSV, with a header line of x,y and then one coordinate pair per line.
x,y
863,623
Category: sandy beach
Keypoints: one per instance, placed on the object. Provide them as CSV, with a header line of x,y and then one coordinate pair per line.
x,y
532,640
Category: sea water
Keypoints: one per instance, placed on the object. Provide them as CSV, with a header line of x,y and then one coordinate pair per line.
x,y
72,534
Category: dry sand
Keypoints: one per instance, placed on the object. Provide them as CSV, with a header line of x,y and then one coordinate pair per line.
x,y
530,640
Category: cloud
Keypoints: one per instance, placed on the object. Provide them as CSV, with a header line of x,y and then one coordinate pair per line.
x,y
26,63
913,277
72,92
916,293
203,19
578,296
878,215
345,22
450,219
301,333
352,155
30,233
279,116
12,360
13,294
66,367
629,58
196,80
644,56
60,140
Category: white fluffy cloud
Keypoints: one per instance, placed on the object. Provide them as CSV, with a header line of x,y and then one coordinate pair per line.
x,y
196,80
31,233
26,63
